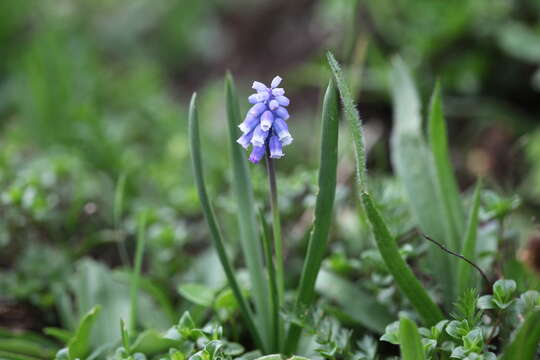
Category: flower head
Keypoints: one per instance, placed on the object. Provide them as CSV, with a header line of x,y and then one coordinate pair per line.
x,y
264,126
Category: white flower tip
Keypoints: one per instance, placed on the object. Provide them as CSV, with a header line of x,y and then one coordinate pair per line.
x,y
275,82
243,128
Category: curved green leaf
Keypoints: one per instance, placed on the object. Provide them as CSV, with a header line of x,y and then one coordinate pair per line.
x,y
215,233
79,345
323,208
403,275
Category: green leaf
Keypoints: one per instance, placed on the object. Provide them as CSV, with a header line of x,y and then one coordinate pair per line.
x,y
486,302
152,342
213,226
526,340
409,338
353,118
249,236
125,335
79,345
465,278
438,139
60,334
323,208
358,304
504,289
403,275
414,165
21,348
391,333
197,294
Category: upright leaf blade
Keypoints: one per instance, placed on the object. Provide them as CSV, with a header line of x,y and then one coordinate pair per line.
x,y
413,164
438,140
79,345
323,208
409,340
465,273
353,118
526,340
403,276
215,233
249,236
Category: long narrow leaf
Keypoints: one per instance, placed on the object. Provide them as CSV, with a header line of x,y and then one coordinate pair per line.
x,y
353,118
438,140
465,273
413,164
323,208
388,248
213,226
409,340
251,244
526,341
403,276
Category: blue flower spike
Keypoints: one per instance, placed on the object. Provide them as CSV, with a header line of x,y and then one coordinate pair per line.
x,y
265,126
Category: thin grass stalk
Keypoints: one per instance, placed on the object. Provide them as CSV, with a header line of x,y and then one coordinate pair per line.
x,y
323,210
213,226
276,225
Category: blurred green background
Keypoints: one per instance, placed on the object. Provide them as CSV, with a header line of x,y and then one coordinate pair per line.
x,y
91,91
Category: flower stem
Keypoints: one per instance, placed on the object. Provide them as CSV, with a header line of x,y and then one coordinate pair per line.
x,y
276,225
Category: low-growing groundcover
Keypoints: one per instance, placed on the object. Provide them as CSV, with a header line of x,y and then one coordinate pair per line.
x,y
437,280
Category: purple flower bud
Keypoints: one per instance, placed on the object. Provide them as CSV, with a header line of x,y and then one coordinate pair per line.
x,y
245,139
278,92
257,109
267,118
259,136
282,113
259,86
275,82
282,131
273,104
282,100
257,154
249,123
276,149
253,99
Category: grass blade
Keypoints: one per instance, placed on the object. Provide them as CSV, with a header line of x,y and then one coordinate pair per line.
x,y
404,277
413,164
323,209
438,140
213,226
353,118
526,340
249,237
136,274
465,273
409,340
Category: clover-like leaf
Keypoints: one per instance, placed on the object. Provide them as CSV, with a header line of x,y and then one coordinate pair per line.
x,y
391,333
